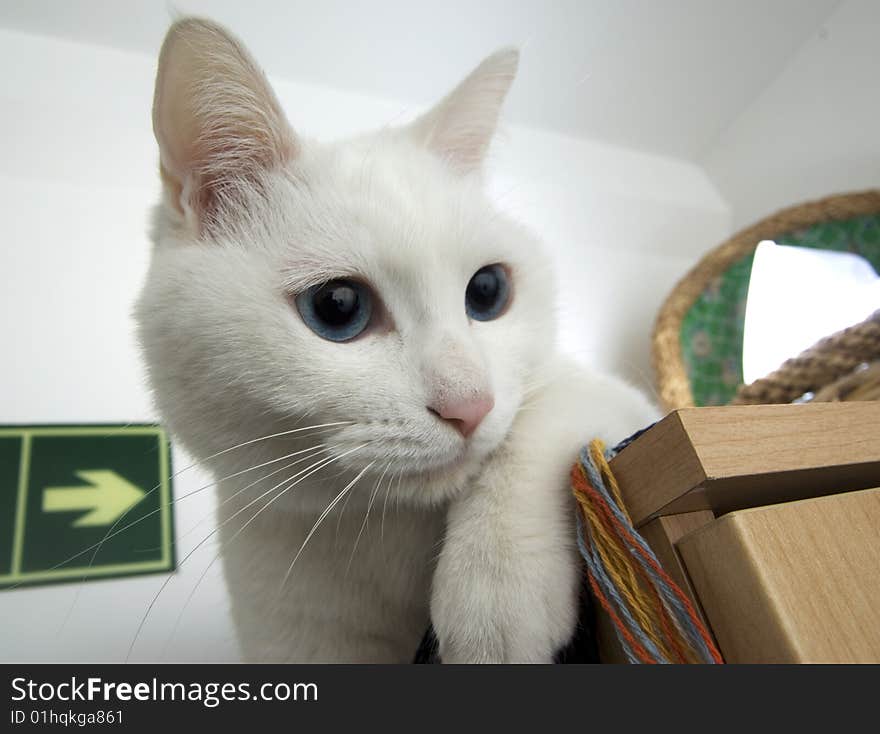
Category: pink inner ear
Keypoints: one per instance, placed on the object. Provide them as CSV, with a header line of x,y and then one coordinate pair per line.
x,y
460,127
216,119
230,151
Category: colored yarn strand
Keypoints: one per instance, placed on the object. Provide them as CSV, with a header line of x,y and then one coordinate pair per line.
x,y
623,527
616,566
617,588
658,609
650,612
653,619
636,645
626,640
597,453
670,589
695,632
686,618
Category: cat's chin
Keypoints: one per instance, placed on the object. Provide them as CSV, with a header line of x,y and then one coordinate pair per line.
x,y
442,462
441,479
435,482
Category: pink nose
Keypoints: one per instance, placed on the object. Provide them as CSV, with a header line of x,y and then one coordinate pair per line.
x,y
462,414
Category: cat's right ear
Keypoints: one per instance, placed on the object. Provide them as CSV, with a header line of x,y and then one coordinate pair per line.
x,y
460,127
216,119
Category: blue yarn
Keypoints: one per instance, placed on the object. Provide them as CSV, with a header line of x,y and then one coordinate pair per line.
x,y
594,569
670,598
672,602
594,564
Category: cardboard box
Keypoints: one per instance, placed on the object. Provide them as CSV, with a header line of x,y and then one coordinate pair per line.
x,y
797,582
764,516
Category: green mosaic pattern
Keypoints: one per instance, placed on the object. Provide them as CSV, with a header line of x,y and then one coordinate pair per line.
x,y
712,330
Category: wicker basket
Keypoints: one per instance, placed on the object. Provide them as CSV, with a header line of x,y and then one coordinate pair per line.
x,y
673,384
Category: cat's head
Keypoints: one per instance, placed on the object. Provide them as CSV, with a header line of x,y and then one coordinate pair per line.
x,y
369,282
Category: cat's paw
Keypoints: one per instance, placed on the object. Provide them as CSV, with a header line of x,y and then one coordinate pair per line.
x,y
502,597
506,584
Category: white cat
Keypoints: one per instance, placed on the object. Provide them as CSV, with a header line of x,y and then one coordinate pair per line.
x,y
368,288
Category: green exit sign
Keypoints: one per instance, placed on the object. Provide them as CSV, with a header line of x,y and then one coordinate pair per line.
x,y
79,502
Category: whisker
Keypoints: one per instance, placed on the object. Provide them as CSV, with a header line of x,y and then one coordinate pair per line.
x,y
339,519
385,507
320,449
307,472
366,516
320,519
397,496
234,536
273,435
111,533
213,456
530,389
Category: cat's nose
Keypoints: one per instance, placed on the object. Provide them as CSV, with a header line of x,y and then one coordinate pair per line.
x,y
463,414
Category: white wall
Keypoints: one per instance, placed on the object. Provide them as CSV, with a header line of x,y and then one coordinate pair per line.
x,y
622,227
77,177
815,130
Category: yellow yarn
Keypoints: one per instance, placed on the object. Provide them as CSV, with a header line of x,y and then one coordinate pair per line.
x,y
653,618
621,570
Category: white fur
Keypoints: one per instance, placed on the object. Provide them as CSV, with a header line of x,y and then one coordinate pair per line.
x,y
252,215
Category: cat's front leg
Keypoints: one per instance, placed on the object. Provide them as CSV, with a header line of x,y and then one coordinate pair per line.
x,y
507,580
505,588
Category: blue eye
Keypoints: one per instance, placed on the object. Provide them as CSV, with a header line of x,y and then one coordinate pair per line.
x,y
488,293
338,310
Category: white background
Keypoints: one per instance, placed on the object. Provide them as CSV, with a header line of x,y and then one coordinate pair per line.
x,y
638,141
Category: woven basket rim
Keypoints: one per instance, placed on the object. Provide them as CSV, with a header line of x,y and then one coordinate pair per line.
x,y
673,385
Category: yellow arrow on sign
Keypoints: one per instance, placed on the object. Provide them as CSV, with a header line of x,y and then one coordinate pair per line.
x,y
109,497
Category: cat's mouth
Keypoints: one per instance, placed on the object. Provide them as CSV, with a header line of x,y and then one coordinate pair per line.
x,y
415,454
452,466
429,466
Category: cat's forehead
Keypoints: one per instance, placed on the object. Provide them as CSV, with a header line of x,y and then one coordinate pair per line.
x,y
383,177
385,210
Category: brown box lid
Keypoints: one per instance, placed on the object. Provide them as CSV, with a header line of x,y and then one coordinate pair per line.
x,y
731,457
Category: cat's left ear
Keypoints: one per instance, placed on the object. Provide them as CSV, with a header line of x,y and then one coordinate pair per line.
x,y
460,127
217,121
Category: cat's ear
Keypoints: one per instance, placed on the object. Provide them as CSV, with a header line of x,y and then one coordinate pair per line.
x,y
460,127
217,121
